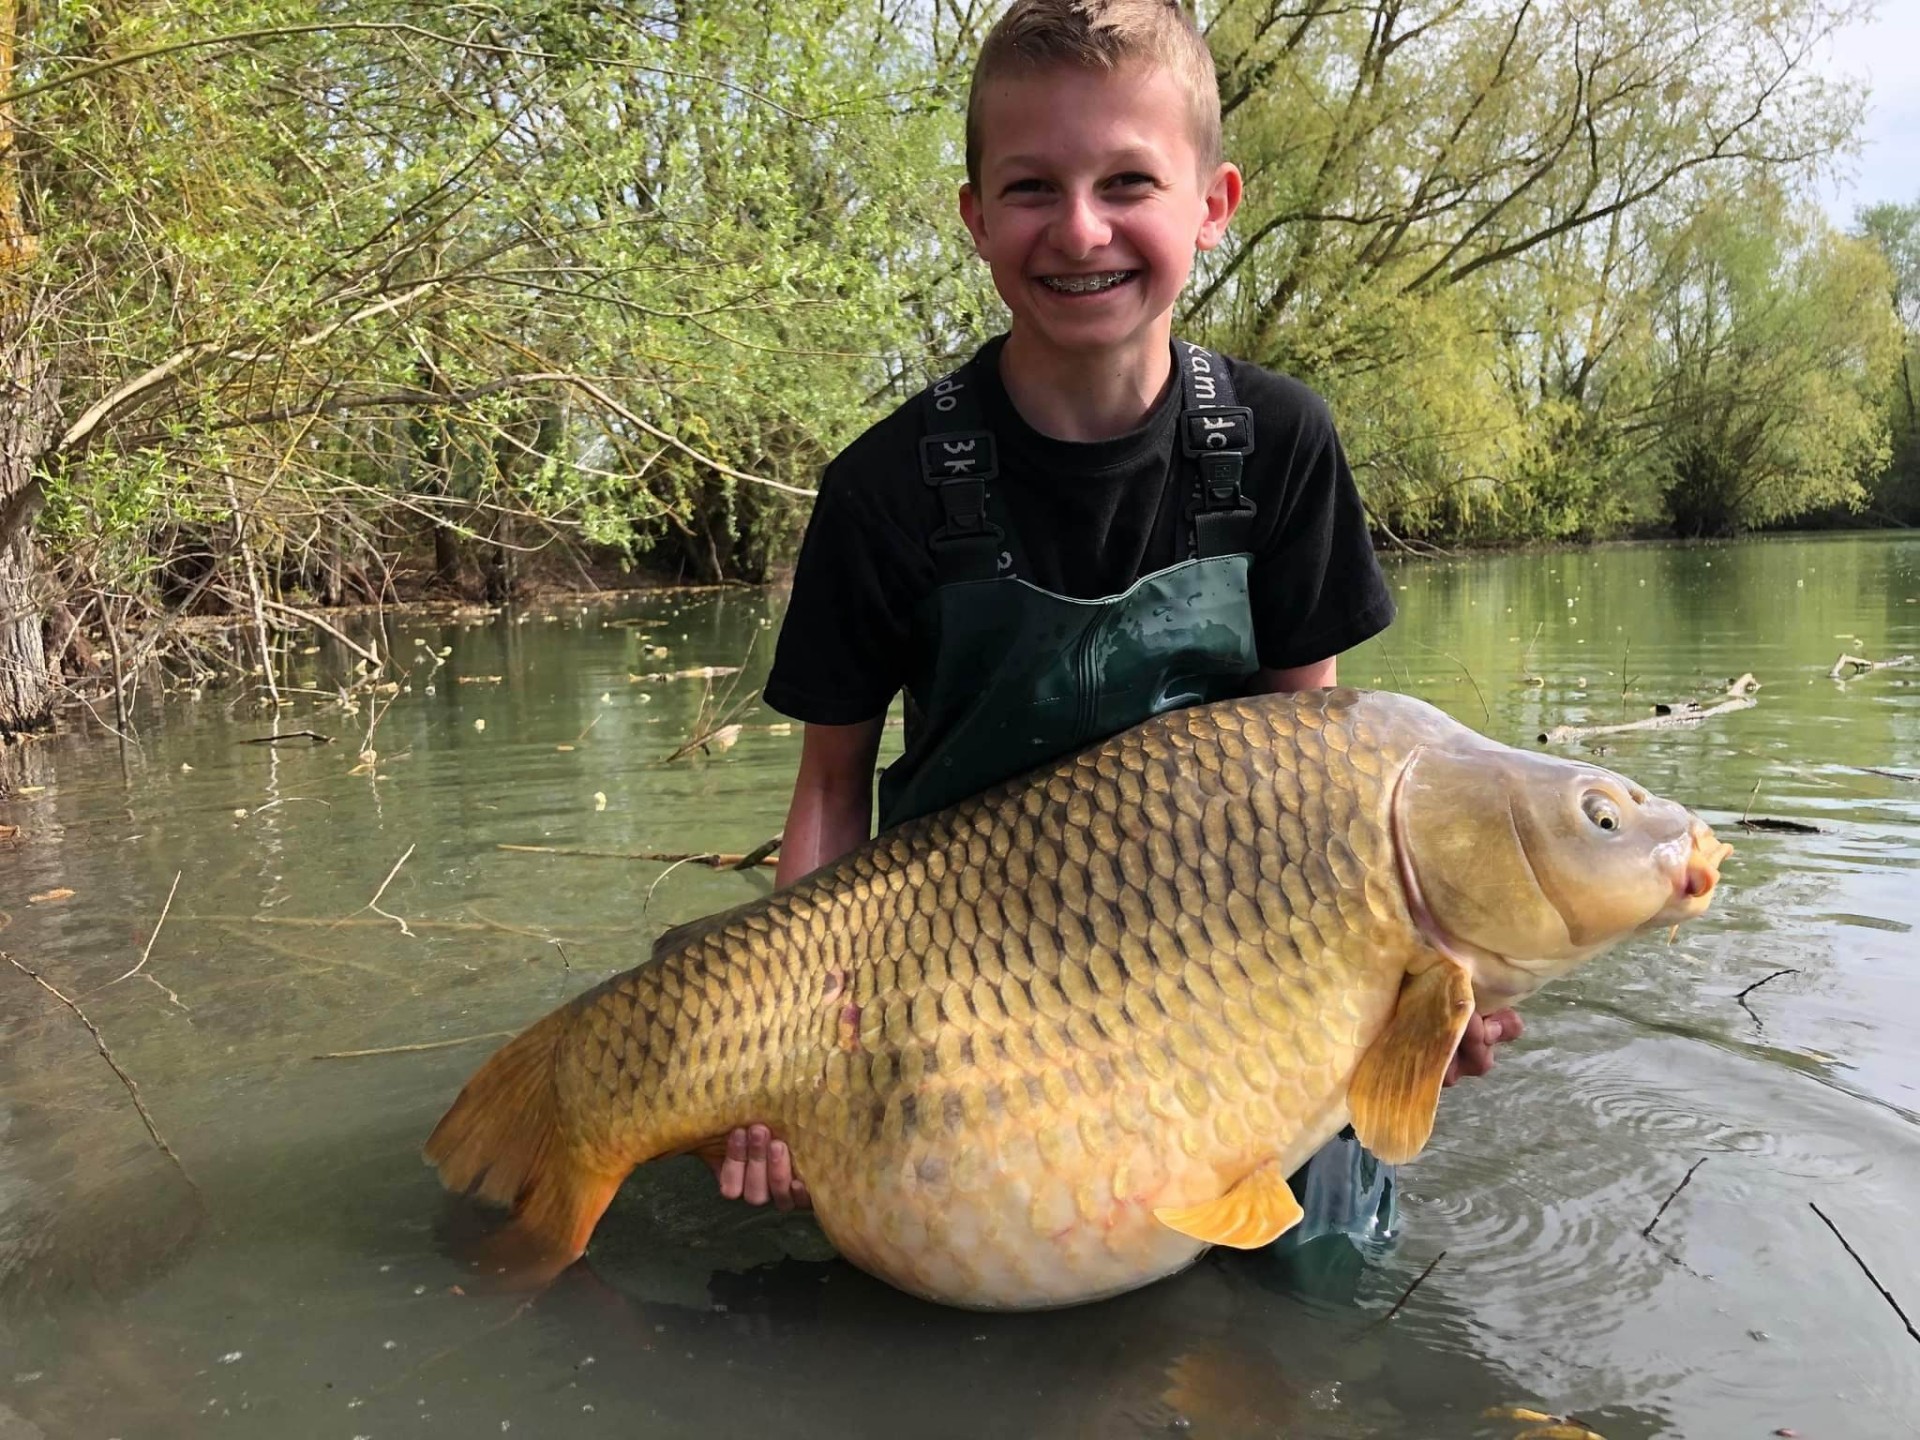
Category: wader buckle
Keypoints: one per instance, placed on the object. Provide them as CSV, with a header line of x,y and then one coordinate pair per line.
x,y
959,455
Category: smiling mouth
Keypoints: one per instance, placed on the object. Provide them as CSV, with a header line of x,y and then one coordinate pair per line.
x,y
1086,284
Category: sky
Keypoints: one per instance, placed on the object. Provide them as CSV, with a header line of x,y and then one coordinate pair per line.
x,y
1885,52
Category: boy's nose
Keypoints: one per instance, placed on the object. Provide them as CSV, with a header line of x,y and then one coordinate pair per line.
x,y
1080,229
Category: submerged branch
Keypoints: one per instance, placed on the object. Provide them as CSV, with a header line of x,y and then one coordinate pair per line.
x,y
1885,1293
100,1044
414,1049
1647,1234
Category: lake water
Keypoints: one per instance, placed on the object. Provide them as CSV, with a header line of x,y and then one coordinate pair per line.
x,y
289,1277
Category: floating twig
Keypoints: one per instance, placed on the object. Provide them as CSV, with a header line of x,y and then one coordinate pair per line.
x,y
698,672
374,904
758,855
313,735
1906,775
715,859
716,724
1768,825
1860,666
1885,1293
156,931
414,1049
1407,1294
568,964
1647,1234
100,1044
1741,998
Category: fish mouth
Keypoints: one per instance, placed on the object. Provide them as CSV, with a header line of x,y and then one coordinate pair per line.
x,y
1695,865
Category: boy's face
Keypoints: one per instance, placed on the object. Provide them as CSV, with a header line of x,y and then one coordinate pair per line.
x,y
1090,205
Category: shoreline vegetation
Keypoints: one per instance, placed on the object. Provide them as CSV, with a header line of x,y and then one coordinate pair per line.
x,y
299,311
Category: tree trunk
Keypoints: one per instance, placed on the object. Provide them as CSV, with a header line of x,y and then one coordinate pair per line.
x,y
27,399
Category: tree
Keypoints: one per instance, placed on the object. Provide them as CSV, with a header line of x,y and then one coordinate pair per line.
x,y
1775,346
1895,229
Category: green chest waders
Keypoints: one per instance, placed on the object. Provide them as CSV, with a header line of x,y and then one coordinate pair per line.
x,y
1011,676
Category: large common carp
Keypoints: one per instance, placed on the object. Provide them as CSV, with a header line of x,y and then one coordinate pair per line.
x,y
1049,1044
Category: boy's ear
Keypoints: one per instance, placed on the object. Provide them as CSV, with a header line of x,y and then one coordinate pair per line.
x,y
971,215
1222,199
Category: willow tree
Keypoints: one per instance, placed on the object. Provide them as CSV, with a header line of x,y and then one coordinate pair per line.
x,y
1895,231
329,278
1420,173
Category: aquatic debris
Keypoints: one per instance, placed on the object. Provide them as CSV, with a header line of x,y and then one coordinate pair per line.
x,y
1666,715
47,897
715,859
126,1080
374,904
410,1049
281,739
1885,1294
1857,665
1647,1234
1407,1294
1780,827
1750,821
138,969
698,672
1741,998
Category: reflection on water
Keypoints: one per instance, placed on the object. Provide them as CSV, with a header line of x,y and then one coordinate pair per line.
x,y
292,1280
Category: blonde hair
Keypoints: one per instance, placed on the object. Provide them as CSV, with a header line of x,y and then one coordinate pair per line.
x,y
1100,35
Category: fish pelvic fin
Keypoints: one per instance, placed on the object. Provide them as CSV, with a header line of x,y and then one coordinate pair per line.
x,y
1396,1088
1256,1211
502,1144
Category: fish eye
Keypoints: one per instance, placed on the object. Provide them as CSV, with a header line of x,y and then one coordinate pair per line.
x,y
1601,810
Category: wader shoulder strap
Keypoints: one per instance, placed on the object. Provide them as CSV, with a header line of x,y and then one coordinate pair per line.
x,y
958,458
1217,436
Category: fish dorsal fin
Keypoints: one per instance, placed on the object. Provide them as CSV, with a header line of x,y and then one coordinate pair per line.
x,y
1396,1088
1258,1210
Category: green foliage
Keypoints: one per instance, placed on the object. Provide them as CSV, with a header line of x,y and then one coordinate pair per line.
x,y
574,270
1895,230
1776,345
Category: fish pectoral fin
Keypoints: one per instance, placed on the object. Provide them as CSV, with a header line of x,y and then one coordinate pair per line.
x,y
1396,1088
1258,1210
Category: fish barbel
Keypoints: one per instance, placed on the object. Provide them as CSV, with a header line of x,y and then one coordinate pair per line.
x,y
1049,1044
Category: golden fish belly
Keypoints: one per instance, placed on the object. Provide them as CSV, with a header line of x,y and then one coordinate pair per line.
x,y
1014,1180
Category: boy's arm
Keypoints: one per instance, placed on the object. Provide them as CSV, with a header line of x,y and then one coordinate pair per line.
x,y
831,813
832,807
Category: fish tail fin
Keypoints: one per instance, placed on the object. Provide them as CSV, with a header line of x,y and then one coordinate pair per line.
x,y
502,1143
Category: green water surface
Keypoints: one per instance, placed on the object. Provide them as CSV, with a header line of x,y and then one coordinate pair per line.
x,y
291,1277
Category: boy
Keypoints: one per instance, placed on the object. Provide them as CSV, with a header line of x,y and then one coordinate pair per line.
x,y
1081,527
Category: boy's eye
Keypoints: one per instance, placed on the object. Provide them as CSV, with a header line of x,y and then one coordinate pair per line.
x,y
1131,179
1030,186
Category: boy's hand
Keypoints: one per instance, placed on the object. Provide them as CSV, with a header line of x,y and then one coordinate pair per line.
x,y
1475,1055
758,1168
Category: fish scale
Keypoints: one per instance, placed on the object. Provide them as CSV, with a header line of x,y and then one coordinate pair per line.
x,y
998,1039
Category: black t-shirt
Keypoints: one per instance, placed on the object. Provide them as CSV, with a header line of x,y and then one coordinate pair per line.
x,y
1092,517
